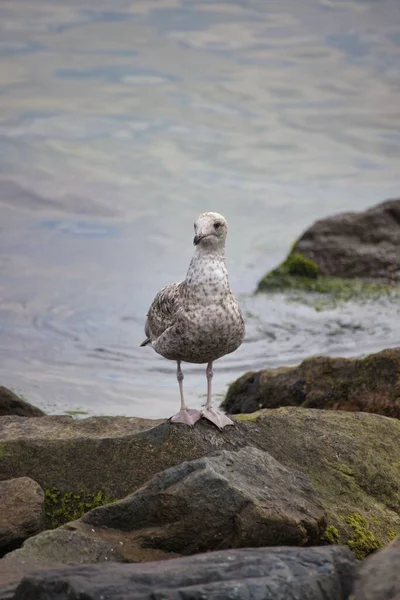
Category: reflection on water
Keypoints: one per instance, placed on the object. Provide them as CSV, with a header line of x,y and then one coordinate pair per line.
x,y
120,122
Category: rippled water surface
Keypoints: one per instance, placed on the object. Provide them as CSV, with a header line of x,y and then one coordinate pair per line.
x,y
121,121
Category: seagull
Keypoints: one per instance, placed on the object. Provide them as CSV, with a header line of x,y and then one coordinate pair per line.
x,y
198,320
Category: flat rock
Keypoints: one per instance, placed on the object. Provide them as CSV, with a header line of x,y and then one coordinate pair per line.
x,y
11,404
370,384
252,574
350,458
63,546
228,500
21,511
364,244
56,548
379,576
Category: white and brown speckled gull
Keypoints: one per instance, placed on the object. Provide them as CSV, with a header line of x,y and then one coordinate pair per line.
x,y
199,319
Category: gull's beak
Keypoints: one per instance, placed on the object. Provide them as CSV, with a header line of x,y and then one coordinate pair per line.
x,y
197,239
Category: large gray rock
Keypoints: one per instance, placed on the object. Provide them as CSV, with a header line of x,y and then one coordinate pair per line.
x,y
11,404
365,244
379,576
21,511
262,574
350,458
229,500
369,384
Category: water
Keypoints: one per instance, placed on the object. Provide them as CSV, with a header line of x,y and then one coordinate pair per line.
x,y
121,121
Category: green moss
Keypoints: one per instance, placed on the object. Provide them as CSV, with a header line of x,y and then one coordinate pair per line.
x,y
61,508
3,450
296,266
248,416
331,535
363,540
300,274
345,469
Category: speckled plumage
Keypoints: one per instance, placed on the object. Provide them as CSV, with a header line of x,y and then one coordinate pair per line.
x,y
199,319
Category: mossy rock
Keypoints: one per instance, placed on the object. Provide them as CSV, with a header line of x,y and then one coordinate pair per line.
x,y
301,274
352,459
331,535
60,508
370,384
342,256
296,265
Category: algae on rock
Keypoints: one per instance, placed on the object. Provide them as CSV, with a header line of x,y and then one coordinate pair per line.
x,y
60,508
331,535
370,384
301,274
363,540
342,255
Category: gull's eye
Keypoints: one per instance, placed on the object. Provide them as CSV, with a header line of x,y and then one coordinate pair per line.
x,y
217,225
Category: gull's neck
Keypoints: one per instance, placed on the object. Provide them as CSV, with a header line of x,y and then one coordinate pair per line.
x,y
207,271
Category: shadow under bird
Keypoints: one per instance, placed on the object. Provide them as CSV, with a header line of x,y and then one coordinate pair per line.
x,y
198,320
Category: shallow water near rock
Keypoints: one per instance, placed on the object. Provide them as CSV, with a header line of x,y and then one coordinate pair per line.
x,y
120,125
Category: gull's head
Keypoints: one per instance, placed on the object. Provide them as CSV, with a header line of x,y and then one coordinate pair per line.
x,y
210,230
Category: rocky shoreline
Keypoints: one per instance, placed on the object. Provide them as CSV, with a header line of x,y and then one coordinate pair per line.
x,y
284,488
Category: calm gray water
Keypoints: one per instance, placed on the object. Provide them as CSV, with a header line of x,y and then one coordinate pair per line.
x,y
121,121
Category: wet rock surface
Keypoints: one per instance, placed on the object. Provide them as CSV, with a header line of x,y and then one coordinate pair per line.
x,y
251,574
11,404
21,511
370,384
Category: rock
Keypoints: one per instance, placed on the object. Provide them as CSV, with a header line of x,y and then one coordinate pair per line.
x,y
67,457
268,574
56,548
379,576
349,245
11,404
370,384
63,546
228,500
52,549
350,458
365,244
22,511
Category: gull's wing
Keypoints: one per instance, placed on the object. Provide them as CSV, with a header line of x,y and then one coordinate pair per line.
x,y
162,312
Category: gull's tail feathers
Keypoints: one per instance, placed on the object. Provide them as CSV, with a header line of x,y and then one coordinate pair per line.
x,y
146,342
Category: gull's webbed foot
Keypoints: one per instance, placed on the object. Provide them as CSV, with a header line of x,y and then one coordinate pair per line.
x,y
187,416
215,416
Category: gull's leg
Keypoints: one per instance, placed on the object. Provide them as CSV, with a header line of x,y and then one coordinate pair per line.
x,y
209,412
188,416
